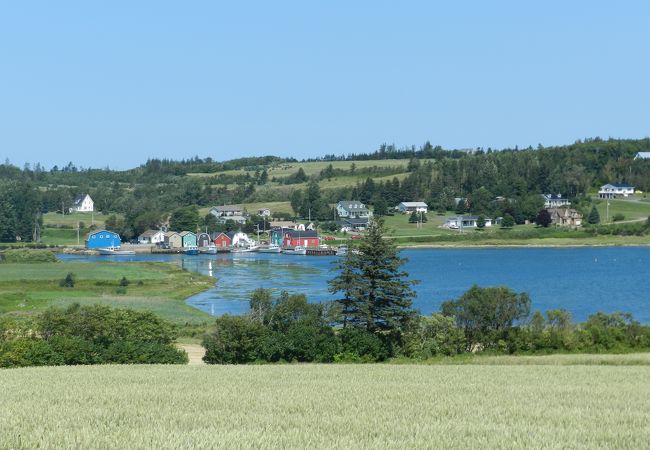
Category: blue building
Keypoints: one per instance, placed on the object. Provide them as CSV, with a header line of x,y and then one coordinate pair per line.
x,y
103,239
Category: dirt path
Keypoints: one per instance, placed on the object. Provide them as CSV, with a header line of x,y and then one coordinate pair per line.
x,y
195,352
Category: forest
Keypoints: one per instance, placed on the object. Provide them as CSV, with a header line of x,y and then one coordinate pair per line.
x,y
480,181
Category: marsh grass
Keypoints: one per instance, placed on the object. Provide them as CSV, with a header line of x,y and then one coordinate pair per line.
x,y
333,406
26,289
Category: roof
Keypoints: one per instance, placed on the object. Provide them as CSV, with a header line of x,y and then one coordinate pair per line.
x,y
150,233
185,233
282,224
170,233
618,185
554,197
102,231
79,199
468,218
415,204
228,208
359,221
642,155
352,205
213,236
301,233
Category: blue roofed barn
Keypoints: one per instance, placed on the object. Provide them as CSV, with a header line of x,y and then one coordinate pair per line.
x,y
103,239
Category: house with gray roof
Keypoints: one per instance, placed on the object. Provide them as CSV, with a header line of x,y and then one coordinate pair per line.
x,y
352,209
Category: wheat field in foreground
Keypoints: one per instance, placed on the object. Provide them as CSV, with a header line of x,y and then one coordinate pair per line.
x,y
325,406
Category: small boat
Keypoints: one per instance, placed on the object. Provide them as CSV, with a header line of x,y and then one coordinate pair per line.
x,y
115,251
342,250
191,250
242,250
272,248
210,250
297,250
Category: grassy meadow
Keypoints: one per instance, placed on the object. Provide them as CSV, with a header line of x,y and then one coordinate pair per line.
x,y
26,289
326,406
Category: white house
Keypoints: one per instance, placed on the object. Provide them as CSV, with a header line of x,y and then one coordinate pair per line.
x,y
152,237
459,222
264,212
237,219
642,155
352,209
82,203
227,210
409,207
555,201
615,190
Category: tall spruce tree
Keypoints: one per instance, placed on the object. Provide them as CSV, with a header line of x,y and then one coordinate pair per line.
x,y
594,217
376,295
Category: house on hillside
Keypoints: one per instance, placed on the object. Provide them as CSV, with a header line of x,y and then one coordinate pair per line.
x,y
285,224
615,190
565,217
221,240
173,240
151,237
227,210
352,209
555,201
642,155
456,223
103,239
264,212
82,203
188,239
347,225
409,207
240,220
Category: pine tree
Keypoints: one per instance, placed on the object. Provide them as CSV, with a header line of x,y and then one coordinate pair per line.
x,y
376,295
594,217
414,218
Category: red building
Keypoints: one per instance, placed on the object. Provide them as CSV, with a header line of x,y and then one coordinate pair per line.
x,y
306,238
222,240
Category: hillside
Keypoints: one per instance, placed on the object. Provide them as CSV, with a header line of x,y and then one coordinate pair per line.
x,y
334,406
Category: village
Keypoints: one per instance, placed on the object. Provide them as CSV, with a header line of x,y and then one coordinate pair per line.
x,y
293,237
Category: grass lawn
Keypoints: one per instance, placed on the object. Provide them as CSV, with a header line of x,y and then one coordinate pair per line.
x,y
71,220
635,208
29,288
326,406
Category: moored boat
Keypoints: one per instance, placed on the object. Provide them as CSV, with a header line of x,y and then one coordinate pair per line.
x,y
297,250
191,250
210,250
272,248
115,252
342,250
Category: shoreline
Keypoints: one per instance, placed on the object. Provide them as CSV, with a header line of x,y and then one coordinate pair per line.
x,y
469,246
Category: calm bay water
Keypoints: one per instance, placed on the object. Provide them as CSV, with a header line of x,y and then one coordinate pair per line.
x,y
581,280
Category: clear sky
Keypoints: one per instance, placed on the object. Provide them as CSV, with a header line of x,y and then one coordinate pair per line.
x,y
116,82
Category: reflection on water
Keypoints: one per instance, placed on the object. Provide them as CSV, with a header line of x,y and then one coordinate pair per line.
x,y
581,280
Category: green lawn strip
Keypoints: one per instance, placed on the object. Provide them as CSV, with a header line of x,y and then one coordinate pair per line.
x,y
26,289
574,359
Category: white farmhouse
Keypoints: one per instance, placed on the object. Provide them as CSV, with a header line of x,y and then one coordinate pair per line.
x,y
555,201
352,209
82,203
615,190
152,237
409,207
456,223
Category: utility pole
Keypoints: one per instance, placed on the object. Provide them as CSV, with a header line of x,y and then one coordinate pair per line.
x,y
77,233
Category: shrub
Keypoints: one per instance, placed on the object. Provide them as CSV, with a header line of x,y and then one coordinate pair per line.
x,y
235,340
618,217
120,290
363,345
124,282
68,281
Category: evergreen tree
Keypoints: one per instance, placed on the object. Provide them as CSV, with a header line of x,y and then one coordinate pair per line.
x,y
375,293
381,207
594,217
480,222
543,218
414,218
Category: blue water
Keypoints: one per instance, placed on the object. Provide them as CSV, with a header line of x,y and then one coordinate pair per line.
x,y
581,280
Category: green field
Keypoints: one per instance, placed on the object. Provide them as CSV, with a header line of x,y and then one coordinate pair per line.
x,y
326,406
71,220
26,289
632,209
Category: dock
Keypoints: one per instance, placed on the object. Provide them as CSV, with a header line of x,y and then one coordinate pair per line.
x,y
317,251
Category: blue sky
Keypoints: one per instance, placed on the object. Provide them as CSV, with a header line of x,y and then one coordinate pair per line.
x,y
114,83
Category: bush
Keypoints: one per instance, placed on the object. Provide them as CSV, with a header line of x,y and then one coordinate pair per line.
x,y
361,345
68,281
235,340
124,282
93,335
618,217
120,290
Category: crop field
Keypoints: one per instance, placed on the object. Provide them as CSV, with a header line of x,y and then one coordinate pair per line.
x,y
26,289
326,406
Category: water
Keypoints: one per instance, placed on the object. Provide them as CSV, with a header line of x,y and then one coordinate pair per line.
x,y
581,280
